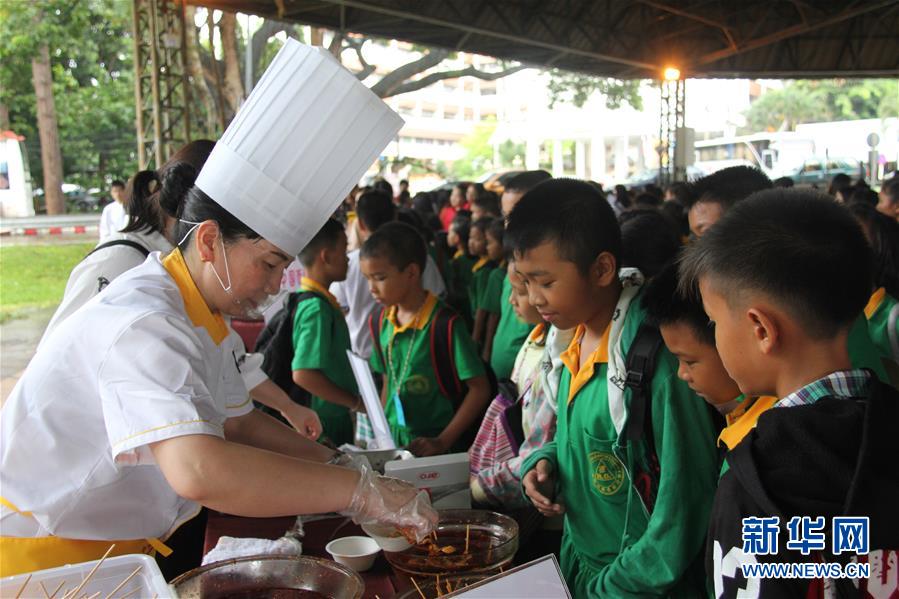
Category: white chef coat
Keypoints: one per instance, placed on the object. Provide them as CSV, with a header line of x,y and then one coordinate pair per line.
x,y
94,273
128,369
357,302
112,220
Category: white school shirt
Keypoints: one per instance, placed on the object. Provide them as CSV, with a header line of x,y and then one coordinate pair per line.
x,y
357,302
127,370
112,220
96,271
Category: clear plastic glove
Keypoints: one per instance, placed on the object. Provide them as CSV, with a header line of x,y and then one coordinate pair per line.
x,y
348,459
383,500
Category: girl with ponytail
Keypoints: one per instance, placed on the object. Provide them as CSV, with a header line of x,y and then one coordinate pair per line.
x,y
153,202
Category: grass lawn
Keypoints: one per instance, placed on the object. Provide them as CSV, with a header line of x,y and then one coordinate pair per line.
x,y
34,276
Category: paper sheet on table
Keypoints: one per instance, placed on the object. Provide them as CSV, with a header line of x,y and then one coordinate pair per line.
x,y
372,400
539,579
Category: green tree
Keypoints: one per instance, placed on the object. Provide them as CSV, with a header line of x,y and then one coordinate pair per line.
x,y
478,152
810,101
575,88
90,55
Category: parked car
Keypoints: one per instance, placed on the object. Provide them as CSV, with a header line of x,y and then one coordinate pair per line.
x,y
78,199
651,176
819,170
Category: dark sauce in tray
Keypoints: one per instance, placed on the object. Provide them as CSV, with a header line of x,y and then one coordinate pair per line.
x,y
270,593
479,555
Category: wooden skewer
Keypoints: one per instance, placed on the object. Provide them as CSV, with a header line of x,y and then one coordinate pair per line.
x,y
124,582
437,586
417,588
449,587
25,584
77,589
95,595
129,593
44,589
59,586
467,534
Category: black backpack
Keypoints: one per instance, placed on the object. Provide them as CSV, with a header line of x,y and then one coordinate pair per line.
x,y
640,365
443,360
275,343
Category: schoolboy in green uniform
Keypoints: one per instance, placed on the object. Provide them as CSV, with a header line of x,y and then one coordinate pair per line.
x,y
619,540
766,275
460,265
491,299
477,244
420,416
512,331
321,337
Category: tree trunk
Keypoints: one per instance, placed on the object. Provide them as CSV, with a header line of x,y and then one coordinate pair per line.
x,y
217,73
317,36
234,93
195,69
4,117
51,157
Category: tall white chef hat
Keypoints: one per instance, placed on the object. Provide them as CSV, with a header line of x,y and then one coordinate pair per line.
x,y
304,137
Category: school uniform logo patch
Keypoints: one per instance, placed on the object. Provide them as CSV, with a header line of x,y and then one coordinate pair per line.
x,y
418,384
608,473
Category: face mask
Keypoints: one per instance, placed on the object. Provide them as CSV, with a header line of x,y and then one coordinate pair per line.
x,y
250,312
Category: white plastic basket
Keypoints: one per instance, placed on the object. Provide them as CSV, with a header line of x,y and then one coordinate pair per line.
x,y
147,583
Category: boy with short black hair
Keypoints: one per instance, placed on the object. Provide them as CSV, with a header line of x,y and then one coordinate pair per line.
x,y
640,503
485,205
421,413
766,275
321,337
460,264
689,336
713,195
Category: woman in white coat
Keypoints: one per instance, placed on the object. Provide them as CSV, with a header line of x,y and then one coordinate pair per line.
x,y
154,200
117,432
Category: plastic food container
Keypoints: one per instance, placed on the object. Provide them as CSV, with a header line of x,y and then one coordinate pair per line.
x,y
148,582
388,538
269,577
492,543
356,553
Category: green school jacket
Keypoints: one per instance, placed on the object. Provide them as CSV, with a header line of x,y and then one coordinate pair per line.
x,y
511,333
611,546
884,334
321,338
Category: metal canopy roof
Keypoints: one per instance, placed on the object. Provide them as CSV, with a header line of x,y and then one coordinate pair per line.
x,y
628,38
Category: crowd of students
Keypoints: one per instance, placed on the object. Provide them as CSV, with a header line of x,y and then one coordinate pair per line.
x,y
632,373
763,309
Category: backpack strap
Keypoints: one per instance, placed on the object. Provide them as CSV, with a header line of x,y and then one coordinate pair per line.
x,y
640,365
126,242
443,358
375,320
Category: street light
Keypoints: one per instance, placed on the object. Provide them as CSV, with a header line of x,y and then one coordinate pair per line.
x,y
671,74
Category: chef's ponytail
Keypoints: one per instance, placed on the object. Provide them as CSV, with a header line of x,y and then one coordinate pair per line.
x,y
199,207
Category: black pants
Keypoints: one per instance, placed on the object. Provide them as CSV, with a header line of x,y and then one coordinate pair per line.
x,y
187,547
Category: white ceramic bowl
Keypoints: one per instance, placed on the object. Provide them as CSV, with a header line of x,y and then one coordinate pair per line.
x,y
388,538
356,553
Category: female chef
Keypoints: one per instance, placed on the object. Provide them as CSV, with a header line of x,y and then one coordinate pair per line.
x,y
114,432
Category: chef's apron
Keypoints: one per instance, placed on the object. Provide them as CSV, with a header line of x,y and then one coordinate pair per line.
x,y
19,555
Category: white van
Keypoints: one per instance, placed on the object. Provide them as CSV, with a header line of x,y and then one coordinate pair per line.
x,y
16,199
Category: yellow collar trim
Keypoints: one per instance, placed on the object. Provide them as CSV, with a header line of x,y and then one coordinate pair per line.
x,y
458,254
741,424
421,317
479,264
538,333
875,302
194,304
571,358
307,284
